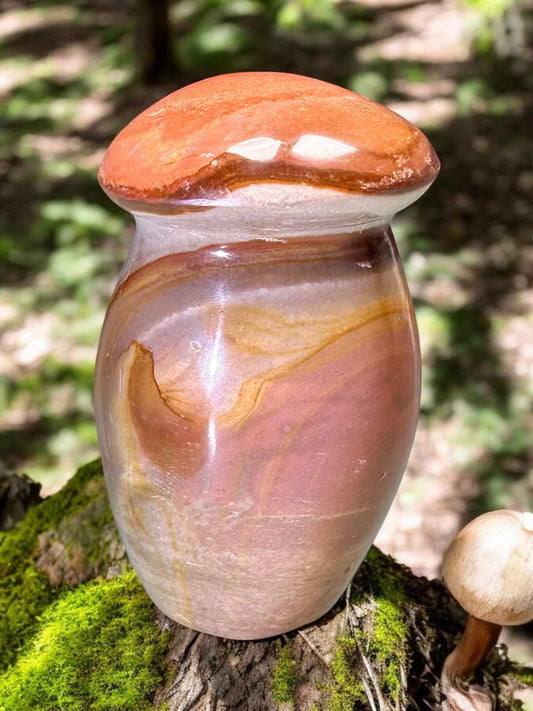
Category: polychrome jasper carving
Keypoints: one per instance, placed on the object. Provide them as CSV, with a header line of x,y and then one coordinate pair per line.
x,y
258,376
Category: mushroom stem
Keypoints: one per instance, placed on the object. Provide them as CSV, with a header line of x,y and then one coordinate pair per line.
x,y
479,637
487,569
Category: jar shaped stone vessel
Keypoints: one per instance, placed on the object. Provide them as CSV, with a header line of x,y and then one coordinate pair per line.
x,y
258,373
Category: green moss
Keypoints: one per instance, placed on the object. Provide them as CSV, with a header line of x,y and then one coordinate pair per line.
x,y
388,645
89,529
387,637
20,607
385,576
284,678
98,647
347,689
382,636
86,484
524,675
25,590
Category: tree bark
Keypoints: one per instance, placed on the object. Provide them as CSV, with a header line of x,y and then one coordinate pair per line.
x,y
153,40
380,648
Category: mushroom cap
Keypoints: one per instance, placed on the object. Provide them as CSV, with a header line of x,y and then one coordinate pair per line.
x,y
488,567
210,139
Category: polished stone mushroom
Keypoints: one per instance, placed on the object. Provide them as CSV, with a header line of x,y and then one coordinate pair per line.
x,y
215,138
258,375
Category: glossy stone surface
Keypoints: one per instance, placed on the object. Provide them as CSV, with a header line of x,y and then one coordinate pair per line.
x,y
211,138
258,374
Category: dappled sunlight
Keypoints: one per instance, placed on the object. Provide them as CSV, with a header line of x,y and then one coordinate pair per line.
x,y
68,85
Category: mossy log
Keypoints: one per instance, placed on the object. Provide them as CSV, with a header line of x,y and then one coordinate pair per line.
x,y
79,633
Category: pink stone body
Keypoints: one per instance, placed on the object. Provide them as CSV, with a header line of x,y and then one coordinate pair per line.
x,y
256,403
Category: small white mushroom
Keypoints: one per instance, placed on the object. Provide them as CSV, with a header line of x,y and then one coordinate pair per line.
x,y
488,569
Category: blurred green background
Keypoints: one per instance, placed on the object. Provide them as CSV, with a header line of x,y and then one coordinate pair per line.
x,y
72,74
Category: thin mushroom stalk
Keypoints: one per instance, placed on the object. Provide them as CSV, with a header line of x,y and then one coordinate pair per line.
x,y
488,568
478,640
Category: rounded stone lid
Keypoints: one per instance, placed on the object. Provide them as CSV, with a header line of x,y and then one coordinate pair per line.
x,y
213,138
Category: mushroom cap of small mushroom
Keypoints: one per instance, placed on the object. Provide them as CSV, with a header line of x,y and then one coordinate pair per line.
x,y
214,139
488,567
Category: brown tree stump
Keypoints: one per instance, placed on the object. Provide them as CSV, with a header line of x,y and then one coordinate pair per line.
x,y
66,585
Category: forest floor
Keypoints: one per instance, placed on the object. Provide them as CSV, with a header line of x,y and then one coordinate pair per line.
x,y
468,249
